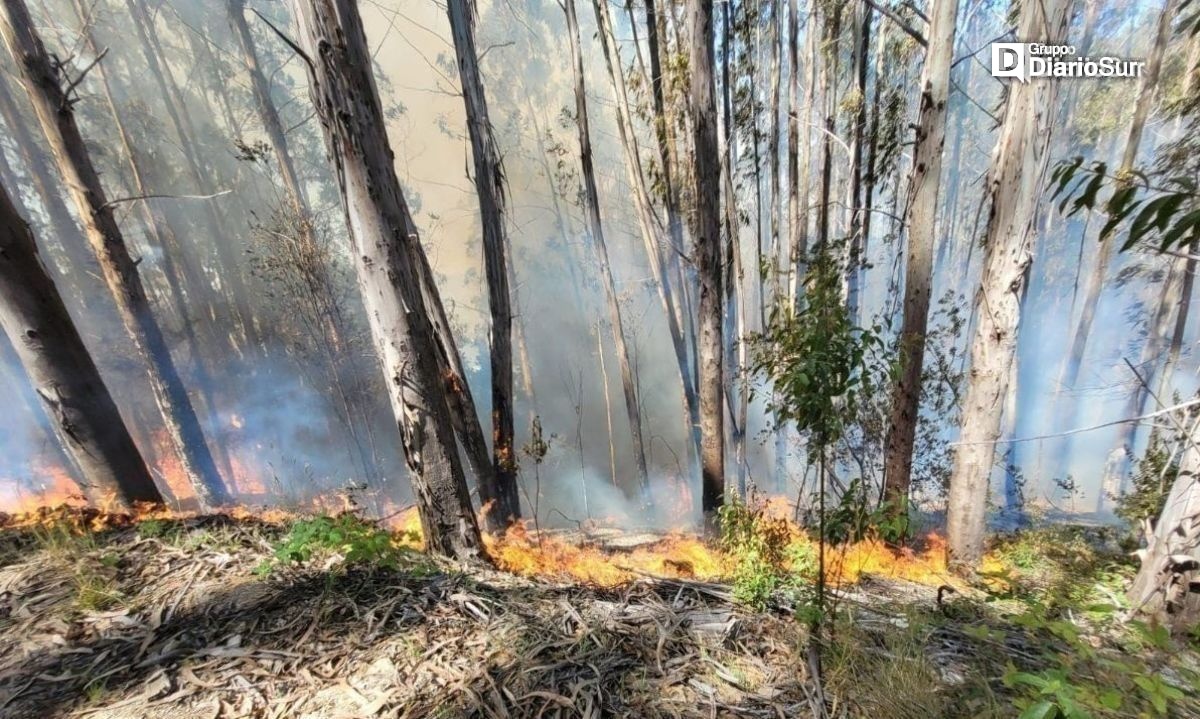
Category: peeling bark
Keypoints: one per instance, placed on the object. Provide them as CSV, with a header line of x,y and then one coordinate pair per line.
x,y
387,258
1015,181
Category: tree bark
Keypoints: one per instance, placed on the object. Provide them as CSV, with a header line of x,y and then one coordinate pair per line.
x,y
490,189
387,258
735,289
1015,181
81,411
632,406
81,262
924,183
54,113
859,242
707,255
665,137
1164,585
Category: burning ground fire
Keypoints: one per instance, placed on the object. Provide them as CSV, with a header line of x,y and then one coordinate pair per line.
x,y
576,556
682,555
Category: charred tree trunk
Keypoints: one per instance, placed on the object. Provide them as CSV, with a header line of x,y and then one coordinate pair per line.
x,y
120,271
707,254
1015,181
460,401
924,184
632,406
387,256
490,189
81,411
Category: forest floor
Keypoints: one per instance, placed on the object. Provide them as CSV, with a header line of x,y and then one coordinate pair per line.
x,y
111,618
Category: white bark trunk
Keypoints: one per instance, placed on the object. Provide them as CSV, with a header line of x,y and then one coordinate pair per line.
x,y
1015,180
388,257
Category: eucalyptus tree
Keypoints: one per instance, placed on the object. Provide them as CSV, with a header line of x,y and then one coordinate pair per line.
x,y
592,198
390,265
501,485
54,110
1015,182
925,180
671,295
706,253
81,411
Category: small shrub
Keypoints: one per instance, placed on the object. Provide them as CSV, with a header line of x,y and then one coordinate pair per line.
x,y
856,518
767,557
1151,481
355,540
94,591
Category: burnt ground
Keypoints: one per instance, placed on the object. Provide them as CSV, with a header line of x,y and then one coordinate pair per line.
x,y
177,618
125,625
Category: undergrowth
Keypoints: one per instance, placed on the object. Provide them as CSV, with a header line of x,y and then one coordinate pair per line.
x,y
340,541
767,559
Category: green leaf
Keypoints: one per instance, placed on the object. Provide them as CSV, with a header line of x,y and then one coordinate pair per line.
x,y
1041,710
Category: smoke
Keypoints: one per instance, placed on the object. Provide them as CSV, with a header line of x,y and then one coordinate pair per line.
x,y
278,415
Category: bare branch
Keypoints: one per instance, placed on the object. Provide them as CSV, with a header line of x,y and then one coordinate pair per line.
x,y
135,198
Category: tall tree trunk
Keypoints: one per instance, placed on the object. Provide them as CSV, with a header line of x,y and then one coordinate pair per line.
x,y
665,136
80,409
796,190
632,406
924,184
800,223
707,255
460,401
1072,363
176,269
180,118
267,113
647,220
54,113
870,180
387,258
735,297
775,215
490,189
81,262
829,73
1015,181
859,242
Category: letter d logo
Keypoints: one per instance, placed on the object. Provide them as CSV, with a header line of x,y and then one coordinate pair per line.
x,y
1008,60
